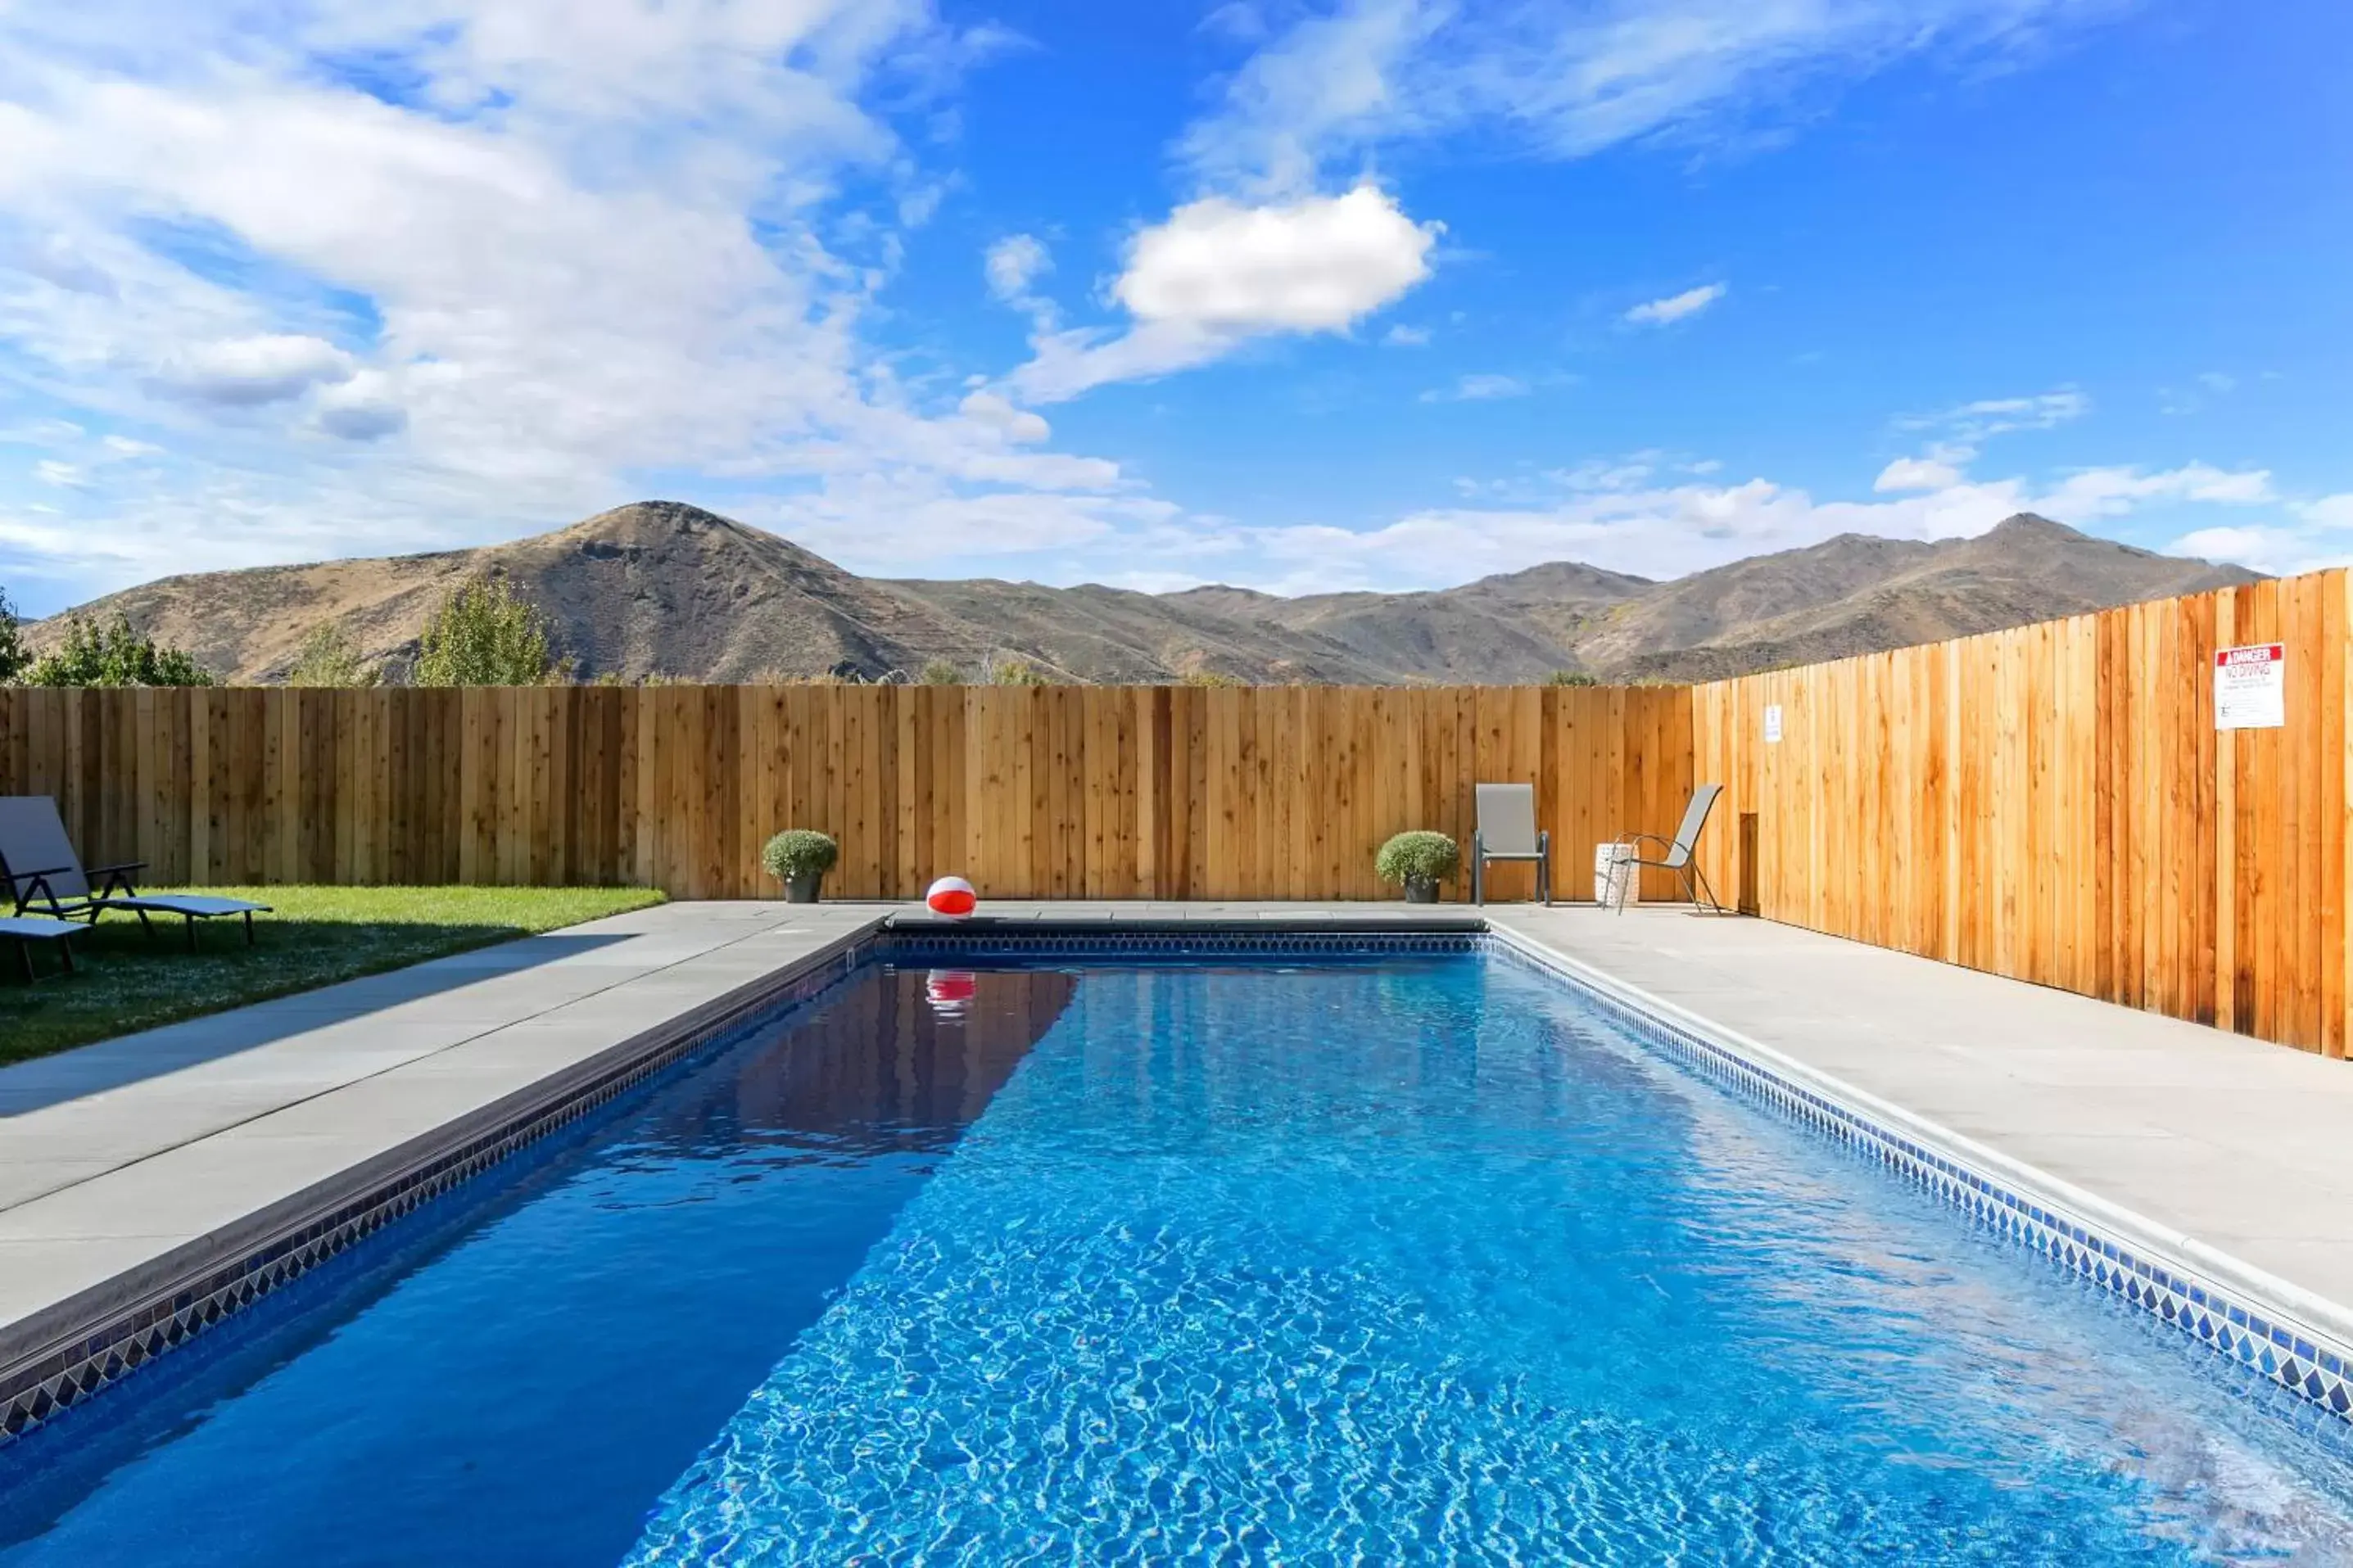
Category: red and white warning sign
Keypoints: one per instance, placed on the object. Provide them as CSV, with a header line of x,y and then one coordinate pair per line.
x,y
2251,687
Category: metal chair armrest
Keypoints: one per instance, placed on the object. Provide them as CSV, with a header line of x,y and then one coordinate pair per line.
x,y
32,885
113,879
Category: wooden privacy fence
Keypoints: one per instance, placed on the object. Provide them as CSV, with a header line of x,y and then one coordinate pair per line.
x,y
1045,792
2054,804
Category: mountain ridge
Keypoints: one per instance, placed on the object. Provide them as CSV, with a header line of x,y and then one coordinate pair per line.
x,y
666,588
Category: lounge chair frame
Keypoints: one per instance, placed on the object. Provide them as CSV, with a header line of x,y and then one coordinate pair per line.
x,y
65,892
1679,856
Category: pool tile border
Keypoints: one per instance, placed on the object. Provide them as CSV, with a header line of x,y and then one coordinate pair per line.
x,y
2234,1324
922,945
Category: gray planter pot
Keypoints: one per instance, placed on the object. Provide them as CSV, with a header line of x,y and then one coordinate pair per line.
x,y
803,888
1421,891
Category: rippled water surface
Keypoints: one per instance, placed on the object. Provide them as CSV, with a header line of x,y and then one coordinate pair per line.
x,y
1421,1261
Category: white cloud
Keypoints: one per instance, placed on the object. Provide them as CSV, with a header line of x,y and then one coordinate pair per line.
x,y
365,408
1218,273
2112,491
1014,263
1404,337
1015,424
265,368
1478,389
1917,474
2329,511
49,472
1675,306
594,242
2321,535
1312,265
1567,80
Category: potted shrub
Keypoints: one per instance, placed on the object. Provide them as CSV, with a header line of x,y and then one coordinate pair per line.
x,y
1420,860
799,858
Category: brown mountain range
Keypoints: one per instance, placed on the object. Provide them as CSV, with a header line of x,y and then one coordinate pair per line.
x,y
663,588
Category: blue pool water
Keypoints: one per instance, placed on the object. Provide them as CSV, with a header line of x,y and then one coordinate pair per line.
x,y
1417,1260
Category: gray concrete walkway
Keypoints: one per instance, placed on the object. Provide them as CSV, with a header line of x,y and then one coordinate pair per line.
x,y
117,1156
2240,1146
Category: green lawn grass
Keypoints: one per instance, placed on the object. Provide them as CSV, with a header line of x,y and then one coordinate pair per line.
x,y
316,936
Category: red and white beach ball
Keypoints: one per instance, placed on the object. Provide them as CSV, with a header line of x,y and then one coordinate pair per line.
x,y
952,897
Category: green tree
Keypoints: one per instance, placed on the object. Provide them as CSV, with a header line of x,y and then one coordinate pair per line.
x,y
328,659
485,634
1570,677
1012,670
113,654
939,672
13,656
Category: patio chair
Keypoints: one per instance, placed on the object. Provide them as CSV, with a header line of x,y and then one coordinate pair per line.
x,y
1678,857
26,929
42,872
1507,831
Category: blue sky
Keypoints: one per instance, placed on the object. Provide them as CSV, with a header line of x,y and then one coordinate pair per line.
x,y
1386,294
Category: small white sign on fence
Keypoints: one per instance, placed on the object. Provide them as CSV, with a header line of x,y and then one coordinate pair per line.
x,y
1772,723
2251,687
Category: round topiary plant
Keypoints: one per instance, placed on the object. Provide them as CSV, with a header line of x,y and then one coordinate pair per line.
x,y
1420,860
799,858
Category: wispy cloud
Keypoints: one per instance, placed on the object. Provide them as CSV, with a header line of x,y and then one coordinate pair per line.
x,y
1567,80
1990,417
1477,388
1676,307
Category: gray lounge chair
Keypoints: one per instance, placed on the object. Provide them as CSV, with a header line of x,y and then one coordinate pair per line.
x,y
1507,831
1678,857
42,873
26,929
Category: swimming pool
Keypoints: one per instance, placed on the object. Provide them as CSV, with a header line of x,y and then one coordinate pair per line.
x,y
1425,1257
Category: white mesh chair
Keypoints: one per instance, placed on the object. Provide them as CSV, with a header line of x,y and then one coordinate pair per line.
x,y
1678,857
1507,831
41,873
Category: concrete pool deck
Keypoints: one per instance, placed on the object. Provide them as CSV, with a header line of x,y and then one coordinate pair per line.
x,y
122,1160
